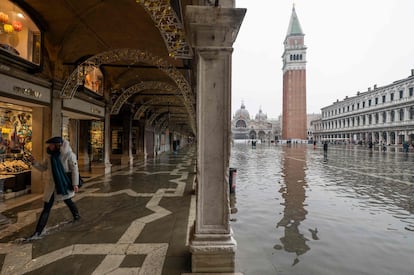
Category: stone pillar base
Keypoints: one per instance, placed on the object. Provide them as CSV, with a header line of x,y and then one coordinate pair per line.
x,y
104,168
213,257
126,160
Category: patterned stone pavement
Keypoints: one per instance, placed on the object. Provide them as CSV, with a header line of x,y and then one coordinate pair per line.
x,y
134,221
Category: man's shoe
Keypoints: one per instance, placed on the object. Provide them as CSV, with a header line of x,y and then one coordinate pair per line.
x,y
76,218
34,236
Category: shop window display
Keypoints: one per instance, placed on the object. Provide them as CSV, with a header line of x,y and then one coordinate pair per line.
x,y
96,134
15,149
19,35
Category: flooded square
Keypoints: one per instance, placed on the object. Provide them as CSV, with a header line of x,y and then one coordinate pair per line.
x,y
302,212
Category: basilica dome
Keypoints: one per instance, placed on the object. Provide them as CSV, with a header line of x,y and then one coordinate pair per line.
x,y
261,116
242,113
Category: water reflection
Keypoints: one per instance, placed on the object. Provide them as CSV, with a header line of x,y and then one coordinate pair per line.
x,y
354,211
293,192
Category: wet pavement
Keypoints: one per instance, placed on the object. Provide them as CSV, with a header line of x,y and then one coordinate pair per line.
x,y
133,221
302,212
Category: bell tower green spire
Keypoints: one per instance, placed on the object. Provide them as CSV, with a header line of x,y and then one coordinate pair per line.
x,y
294,25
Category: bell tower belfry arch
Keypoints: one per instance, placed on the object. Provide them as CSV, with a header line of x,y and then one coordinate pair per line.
x,y
294,82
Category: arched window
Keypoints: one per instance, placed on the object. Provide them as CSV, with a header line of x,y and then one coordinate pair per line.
x,y
241,124
19,35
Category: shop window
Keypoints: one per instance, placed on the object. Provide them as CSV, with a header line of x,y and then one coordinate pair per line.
x,y
15,147
116,142
19,35
93,78
97,141
15,129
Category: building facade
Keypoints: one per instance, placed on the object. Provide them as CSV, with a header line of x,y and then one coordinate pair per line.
x,y
259,127
382,115
294,82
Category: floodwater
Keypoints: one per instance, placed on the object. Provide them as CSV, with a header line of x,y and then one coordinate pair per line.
x,y
302,212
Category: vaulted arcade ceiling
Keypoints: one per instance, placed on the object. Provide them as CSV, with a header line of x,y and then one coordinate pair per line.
x,y
134,42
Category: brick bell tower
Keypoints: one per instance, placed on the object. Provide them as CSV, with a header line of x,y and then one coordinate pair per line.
x,y
294,82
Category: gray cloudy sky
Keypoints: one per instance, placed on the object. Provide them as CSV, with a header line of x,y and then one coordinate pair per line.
x,y
352,45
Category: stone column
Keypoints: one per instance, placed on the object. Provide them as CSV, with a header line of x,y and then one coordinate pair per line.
x,y
107,140
127,157
56,113
212,32
388,137
41,128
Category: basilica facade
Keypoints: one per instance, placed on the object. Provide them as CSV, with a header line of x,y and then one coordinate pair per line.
x,y
258,127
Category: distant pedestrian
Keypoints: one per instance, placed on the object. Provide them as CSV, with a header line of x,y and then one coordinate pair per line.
x,y
314,144
60,162
405,147
325,151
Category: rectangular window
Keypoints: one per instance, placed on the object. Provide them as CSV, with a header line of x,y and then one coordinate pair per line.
x,y
411,90
401,94
369,102
376,100
363,104
357,106
383,99
392,96
352,107
348,108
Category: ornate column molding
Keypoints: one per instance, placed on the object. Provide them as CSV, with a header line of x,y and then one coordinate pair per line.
x,y
212,32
